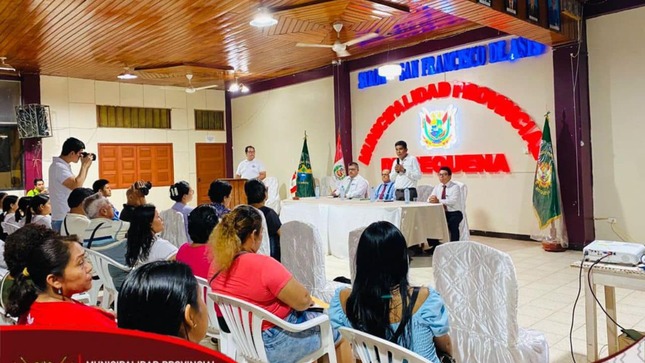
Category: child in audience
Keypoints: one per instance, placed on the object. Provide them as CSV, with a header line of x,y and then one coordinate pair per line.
x,y
182,193
257,194
39,211
163,297
143,244
23,206
201,222
382,302
9,207
47,270
263,281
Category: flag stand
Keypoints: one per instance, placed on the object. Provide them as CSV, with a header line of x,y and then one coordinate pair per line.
x,y
552,244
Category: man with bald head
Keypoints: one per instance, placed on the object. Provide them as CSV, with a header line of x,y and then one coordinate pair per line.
x,y
385,191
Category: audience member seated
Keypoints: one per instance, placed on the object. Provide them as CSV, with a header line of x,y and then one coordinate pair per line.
x,y
39,188
263,281
23,207
136,196
182,193
104,234
76,222
143,244
163,297
257,194
201,222
103,186
220,196
9,208
39,211
382,302
47,270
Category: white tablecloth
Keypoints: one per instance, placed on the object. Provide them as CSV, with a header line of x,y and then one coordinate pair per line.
x,y
335,218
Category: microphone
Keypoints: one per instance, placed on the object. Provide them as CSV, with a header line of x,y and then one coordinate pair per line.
x,y
398,161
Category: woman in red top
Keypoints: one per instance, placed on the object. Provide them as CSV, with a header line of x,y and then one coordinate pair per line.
x,y
57,269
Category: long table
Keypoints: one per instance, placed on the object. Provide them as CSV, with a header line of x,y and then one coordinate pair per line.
x,y
335,218
610,276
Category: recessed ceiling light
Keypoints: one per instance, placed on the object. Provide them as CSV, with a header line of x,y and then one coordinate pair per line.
x,y
126,74
4,66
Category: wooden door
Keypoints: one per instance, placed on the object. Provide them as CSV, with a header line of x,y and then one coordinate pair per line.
x,y
211,165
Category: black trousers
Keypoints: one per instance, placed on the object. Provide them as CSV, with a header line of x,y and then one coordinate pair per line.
x,y
399,194
453,219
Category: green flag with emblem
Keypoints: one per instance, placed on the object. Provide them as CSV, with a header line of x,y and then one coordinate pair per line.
x,y
305,178
546,198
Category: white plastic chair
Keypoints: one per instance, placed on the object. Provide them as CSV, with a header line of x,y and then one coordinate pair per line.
x,y
101,265
352,245
369,348
464,232
479,288
302,254
4,319
423,192
225,342
9,228
174,229
327,185
273,199
245,322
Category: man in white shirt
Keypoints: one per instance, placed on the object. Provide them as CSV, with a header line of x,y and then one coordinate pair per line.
x,y
104,234
405,172
103,186
61,179
355,185
251,168
76,221
449,194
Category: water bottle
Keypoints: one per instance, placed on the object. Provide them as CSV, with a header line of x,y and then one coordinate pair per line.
x,y
342,192
372,195
406,194
317,192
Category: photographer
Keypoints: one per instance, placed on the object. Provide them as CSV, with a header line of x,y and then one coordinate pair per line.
x,y
61,179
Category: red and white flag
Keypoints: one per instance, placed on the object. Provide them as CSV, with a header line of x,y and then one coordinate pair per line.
x,y
338,170
294,185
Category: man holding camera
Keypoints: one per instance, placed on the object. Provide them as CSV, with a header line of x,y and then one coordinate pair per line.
x,y
61,179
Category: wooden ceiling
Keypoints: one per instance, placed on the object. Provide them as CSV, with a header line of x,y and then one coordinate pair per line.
x,y
165,39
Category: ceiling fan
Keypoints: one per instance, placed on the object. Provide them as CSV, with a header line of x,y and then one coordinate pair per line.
x,y
192,89
338,47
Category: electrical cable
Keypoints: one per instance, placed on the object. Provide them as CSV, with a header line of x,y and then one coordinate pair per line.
x,y
573,312
594,294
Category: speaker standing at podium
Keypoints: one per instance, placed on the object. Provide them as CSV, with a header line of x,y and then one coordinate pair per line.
x,y
61,179
251,168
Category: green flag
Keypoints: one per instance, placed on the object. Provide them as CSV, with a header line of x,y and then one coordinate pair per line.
x,y
546,199
305,178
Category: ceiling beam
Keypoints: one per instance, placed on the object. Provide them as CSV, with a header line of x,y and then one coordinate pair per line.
x,y
502,21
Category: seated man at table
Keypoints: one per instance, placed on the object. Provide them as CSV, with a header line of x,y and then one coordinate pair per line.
x,y
385,191
355,185
449,194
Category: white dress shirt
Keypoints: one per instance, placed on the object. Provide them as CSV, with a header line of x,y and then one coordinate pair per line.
x,y
356,187
74,224
59,171
411,175
453,196
250,169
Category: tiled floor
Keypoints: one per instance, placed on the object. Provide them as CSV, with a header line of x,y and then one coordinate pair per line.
x,y
548,288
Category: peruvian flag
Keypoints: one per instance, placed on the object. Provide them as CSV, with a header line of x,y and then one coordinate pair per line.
x,y
294,185
338,169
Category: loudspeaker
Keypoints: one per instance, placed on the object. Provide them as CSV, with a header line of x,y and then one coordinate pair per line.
x,y
33,120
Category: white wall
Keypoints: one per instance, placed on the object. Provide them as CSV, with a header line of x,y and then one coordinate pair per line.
x,y
275,121
496,202
617,90
73,109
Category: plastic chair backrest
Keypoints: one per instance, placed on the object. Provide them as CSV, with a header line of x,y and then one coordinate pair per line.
x,y
245,322
327,185
213,325
369,348
273,194
479,288
4,319
174,227
423,192
9,228
302,254
101,265
464,231
352,245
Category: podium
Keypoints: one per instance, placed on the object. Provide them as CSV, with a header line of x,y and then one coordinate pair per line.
x,y
238,196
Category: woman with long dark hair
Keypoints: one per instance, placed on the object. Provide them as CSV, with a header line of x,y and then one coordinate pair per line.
x,y
39,211
163,297
9,208
382,302
47,270
23,207
143,244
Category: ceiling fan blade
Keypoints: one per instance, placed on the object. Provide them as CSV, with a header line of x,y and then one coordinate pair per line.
x,y
312,45
360,39
205,87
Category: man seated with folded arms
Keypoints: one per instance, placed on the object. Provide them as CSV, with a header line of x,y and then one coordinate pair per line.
x,y
104,234
76,221
385,191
